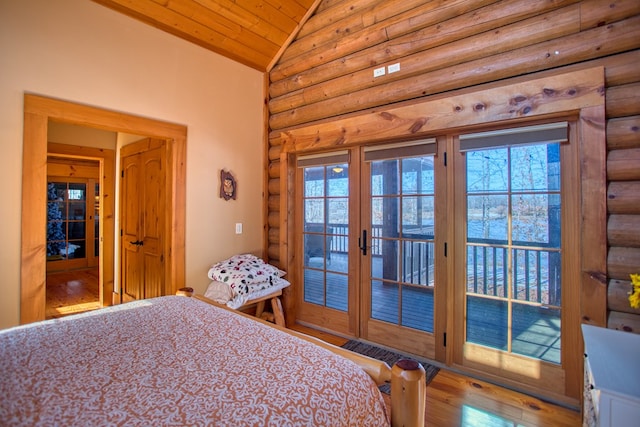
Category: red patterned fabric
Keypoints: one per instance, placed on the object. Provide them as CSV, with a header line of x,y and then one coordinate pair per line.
x,y
176,361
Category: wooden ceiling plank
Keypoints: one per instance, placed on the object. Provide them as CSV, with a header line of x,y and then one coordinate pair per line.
x,y
246,19
195,11
198,13
268,13
290,8
160,17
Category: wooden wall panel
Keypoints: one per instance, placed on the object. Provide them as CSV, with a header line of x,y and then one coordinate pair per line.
x,y
444,47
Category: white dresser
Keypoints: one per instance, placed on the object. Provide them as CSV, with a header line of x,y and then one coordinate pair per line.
x,y
612,377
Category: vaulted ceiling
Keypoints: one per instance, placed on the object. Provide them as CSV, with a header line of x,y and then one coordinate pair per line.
x,y
252,32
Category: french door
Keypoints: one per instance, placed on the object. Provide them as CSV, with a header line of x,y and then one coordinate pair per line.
x,y
398,248
469,261
72,223
367,226
515,251
329,295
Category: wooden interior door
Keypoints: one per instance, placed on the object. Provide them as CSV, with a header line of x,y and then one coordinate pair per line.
x,y
143,199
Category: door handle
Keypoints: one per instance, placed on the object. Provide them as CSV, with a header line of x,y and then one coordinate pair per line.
x,y
362,242
137,243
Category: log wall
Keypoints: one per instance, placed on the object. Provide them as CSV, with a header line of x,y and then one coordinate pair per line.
x,y
327,74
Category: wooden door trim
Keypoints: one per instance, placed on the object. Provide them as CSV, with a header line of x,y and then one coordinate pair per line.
x,y
38,110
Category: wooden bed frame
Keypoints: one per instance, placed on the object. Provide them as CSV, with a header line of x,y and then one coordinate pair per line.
x,y
407,377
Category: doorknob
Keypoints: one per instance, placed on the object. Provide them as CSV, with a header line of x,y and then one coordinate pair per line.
x,y
138,243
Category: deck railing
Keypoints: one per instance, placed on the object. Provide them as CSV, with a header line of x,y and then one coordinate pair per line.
x,y
536,280
535,275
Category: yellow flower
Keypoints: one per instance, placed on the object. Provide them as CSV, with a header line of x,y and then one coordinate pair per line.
x,y
634,296
634,300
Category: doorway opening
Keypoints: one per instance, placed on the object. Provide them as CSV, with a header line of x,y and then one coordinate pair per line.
x,y
80,163
38,113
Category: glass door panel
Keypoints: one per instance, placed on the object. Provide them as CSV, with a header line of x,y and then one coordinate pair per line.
x,y
513,250
400,271
66,221
72,228
326,295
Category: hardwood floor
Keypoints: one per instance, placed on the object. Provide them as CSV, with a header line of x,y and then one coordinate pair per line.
x,y
457,400
70,292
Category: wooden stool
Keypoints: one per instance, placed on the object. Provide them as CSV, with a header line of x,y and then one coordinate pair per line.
x,y
277,315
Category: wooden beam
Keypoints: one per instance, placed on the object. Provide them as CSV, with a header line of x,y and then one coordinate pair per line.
x,y
527,98
444,25
622,262
624,165
593,216
618,297
623,132
624,230
623,197
534,30
611,39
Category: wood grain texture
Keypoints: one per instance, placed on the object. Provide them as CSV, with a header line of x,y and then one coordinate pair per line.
x,y
623,230
624,165
251,32
623,261
618,296
627,322
34,214
520,99
624,197
453,399
72,292
623,132
611,39
593,214
449,45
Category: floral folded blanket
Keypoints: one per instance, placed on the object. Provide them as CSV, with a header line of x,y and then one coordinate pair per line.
x,y
245,275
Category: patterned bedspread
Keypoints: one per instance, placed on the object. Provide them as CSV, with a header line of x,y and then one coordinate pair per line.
x,y
176,361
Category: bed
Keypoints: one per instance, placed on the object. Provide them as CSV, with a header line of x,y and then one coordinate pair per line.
x,y
179,361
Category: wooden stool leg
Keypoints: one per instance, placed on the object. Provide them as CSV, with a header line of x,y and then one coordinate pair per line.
x,y
278,313
259,308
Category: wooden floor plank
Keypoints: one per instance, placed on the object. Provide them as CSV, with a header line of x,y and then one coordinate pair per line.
x,y
458,400
70,292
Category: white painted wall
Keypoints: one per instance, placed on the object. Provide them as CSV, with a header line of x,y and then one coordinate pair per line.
x,y
82,52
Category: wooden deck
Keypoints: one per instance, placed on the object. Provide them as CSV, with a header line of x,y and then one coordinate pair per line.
x,y
535,332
